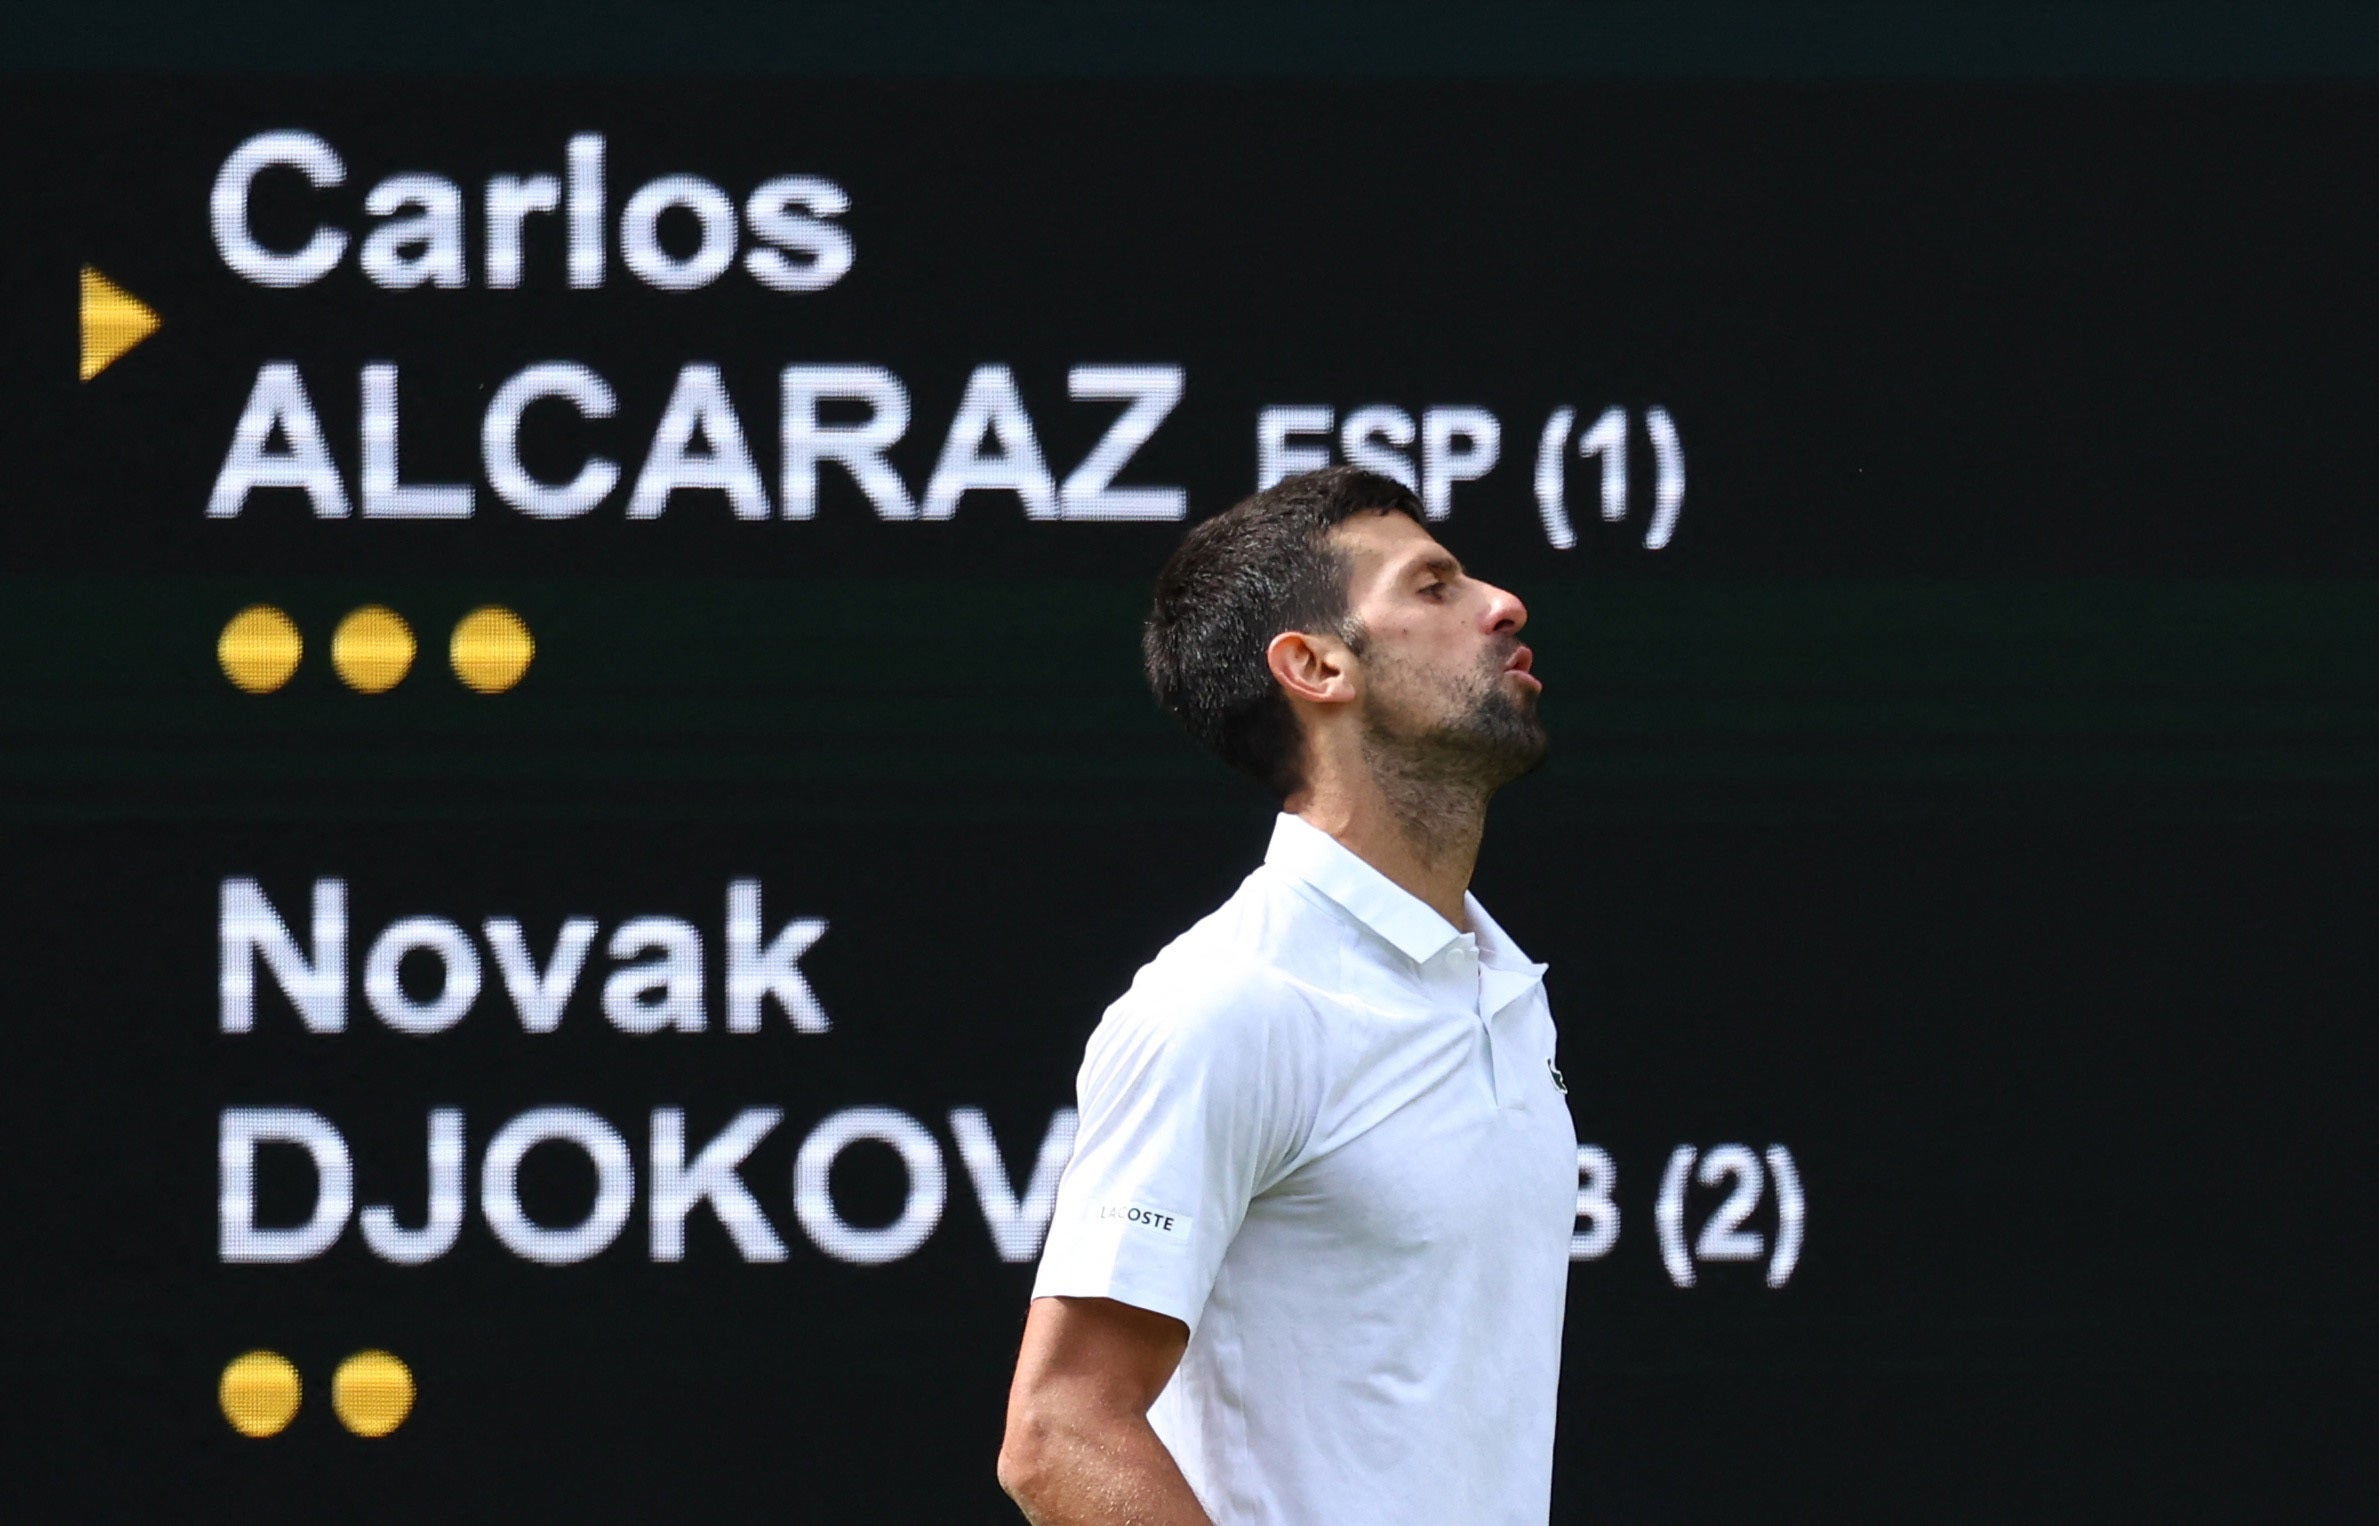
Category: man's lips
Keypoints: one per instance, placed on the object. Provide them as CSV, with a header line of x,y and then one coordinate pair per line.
x,y
1522,660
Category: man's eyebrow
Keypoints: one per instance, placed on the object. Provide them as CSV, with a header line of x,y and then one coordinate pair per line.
x,y
1442,563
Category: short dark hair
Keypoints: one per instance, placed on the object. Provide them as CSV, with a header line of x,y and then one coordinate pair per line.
x,y
1263,566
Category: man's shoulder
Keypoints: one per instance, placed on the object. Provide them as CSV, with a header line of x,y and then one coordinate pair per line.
x,y
1273,935
1248,963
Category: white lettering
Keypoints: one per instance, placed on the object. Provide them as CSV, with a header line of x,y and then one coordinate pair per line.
x,y
499,441
278,402
458,983
227,209
1597,1210
1017,1225
539,996
247,925
991,407
921,1210
384,497
499,1185
699,403
1275,456
510,202
443,1224
1457,445
823,248
1150,393
585,216
795,243
677,1188
640,233
858,447
757,975
435,231
1368,433
239,1237
664,992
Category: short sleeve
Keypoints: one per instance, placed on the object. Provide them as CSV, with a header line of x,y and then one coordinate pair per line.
x,y
1187,1113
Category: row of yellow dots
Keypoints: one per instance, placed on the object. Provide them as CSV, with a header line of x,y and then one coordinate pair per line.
x,y
373,649
372,1393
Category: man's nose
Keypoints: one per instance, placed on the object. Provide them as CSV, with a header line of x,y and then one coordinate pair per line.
x,y
1505,613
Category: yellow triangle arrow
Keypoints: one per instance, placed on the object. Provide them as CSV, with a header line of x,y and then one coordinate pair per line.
x,y
114,320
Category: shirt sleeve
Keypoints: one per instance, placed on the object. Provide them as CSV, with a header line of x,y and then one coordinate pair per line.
x,y
1187,1113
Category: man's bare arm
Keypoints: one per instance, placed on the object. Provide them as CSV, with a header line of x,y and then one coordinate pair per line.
x,y
1079,1450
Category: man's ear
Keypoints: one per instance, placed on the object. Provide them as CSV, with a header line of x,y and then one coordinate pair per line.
x,y
1309,665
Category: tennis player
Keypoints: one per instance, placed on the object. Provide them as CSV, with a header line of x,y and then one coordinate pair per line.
x,y
1308,1262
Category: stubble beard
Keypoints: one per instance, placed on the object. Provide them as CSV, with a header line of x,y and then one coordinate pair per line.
x,y
1439,776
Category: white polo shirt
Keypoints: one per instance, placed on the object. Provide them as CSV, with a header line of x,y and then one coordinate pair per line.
x,y
1323,1130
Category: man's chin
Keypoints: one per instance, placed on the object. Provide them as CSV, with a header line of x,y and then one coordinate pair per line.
x,y
1522,761
1508,743
1496,741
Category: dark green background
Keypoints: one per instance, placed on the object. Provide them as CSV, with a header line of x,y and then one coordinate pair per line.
x,y
1076,39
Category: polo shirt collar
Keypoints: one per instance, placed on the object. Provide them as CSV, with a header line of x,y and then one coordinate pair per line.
x,y
1306,851
1379,903
1505,973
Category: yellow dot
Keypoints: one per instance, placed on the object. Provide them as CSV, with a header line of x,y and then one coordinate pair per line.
x,y
372,649
259,1393
491,649
259,649
372,1392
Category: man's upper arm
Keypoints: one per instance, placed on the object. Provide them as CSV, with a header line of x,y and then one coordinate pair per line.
x,y
1186,1110
1094,1356
1079,1447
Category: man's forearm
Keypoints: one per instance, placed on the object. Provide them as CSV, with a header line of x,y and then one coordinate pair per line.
x,y
1111,1473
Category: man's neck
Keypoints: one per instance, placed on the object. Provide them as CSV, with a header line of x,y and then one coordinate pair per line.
x,y
1423,835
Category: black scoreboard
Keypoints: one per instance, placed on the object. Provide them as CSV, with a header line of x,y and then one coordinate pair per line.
x,y
575,774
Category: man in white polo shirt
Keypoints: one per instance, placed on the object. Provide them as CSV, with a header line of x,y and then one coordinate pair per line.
x,y
1308,1262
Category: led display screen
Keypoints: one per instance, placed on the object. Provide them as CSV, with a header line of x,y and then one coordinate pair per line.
x,y
577,775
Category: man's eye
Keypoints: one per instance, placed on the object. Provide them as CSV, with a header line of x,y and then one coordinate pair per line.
x,y
1433,590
